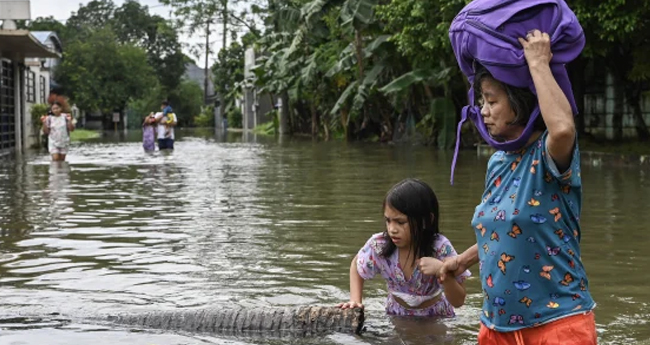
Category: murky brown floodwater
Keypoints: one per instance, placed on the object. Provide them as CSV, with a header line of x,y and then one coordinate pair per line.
x,y
255,222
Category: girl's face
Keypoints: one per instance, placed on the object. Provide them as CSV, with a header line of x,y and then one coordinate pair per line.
x,y
397,226
56,110
497,112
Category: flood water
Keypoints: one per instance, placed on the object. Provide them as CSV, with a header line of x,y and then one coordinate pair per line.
x,y
241,221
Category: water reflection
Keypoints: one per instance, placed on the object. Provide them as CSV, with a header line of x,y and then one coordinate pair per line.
x,y
238,220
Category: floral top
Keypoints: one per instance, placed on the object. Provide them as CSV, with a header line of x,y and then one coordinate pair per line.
x,y
58,136
370,263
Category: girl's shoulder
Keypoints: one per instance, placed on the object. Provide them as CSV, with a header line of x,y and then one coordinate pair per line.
x,y
377,238
441,241
442,247
376,242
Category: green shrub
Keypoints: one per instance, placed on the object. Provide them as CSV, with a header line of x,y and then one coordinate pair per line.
x,y
206,118
37,111
235,117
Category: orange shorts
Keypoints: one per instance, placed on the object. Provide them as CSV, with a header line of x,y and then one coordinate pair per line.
x,y
573,330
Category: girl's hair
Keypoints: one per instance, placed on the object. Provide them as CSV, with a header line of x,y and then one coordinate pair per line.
x,y
57,103
522,100
418,202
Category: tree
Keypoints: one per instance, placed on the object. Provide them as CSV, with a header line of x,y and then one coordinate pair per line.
x,y
103,74
228,72
616,32
46,24
133,24
95,15
201,16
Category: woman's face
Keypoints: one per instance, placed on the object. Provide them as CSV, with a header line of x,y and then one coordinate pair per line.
x,y
56,110
497,112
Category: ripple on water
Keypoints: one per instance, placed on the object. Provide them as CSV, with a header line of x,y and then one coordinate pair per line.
x,y
263,223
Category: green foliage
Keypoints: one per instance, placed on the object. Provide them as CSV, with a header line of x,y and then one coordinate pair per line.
x,y
206,118
228,72
234,116
36,111
131,24
186,101
100,73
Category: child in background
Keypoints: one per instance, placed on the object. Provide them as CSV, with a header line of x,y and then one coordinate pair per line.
x,y
58,126
171,120
408,255
149,133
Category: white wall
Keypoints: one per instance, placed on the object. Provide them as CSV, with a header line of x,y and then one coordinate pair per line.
x,y
31,136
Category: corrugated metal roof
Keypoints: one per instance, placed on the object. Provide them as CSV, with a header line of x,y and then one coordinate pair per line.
x,y
42,36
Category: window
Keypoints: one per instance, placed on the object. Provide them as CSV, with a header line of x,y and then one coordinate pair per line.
x,y
31,87
7,106
42,89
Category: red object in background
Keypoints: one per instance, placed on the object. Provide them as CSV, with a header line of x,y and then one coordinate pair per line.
x,y
61,99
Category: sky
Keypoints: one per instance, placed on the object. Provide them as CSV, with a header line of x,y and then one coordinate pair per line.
x,y
62,10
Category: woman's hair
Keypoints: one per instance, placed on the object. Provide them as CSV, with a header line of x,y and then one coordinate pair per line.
x,y
419,203
522,100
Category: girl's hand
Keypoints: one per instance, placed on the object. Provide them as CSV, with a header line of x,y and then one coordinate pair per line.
x,y
537,48
43,118
430,266
349,305
68,116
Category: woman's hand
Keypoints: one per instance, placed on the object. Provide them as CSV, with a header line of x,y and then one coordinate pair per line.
x,y
537,48
349,305
430,266
451,268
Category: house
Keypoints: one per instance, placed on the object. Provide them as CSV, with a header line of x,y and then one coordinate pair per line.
x,y
39,80
20,83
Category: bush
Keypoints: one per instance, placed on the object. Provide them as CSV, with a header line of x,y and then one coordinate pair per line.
x,y
37,111
235,117
206,118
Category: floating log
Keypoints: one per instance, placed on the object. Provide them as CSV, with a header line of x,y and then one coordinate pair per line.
x,y
302,321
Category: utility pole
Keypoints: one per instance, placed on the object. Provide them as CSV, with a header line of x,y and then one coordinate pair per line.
x,y
207,67
222,97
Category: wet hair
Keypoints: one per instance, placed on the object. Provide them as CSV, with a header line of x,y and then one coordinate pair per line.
x,y
521,100
418,202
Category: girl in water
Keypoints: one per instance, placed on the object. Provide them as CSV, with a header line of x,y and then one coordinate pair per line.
x,y
408,255
58,126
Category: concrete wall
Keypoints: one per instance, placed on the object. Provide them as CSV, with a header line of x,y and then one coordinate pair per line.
x,y
255,105
31,135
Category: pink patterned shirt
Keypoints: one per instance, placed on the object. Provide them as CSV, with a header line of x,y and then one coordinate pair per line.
x,y
419,287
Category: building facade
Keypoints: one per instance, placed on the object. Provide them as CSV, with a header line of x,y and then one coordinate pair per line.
x,y
19,80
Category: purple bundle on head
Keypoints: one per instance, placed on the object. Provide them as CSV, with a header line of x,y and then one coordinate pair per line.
x,y
485,32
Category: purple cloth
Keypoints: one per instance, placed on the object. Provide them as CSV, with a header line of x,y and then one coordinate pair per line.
x,y
486,32
148,138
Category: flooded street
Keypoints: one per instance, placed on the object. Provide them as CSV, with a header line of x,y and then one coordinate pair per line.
x,y
255,222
